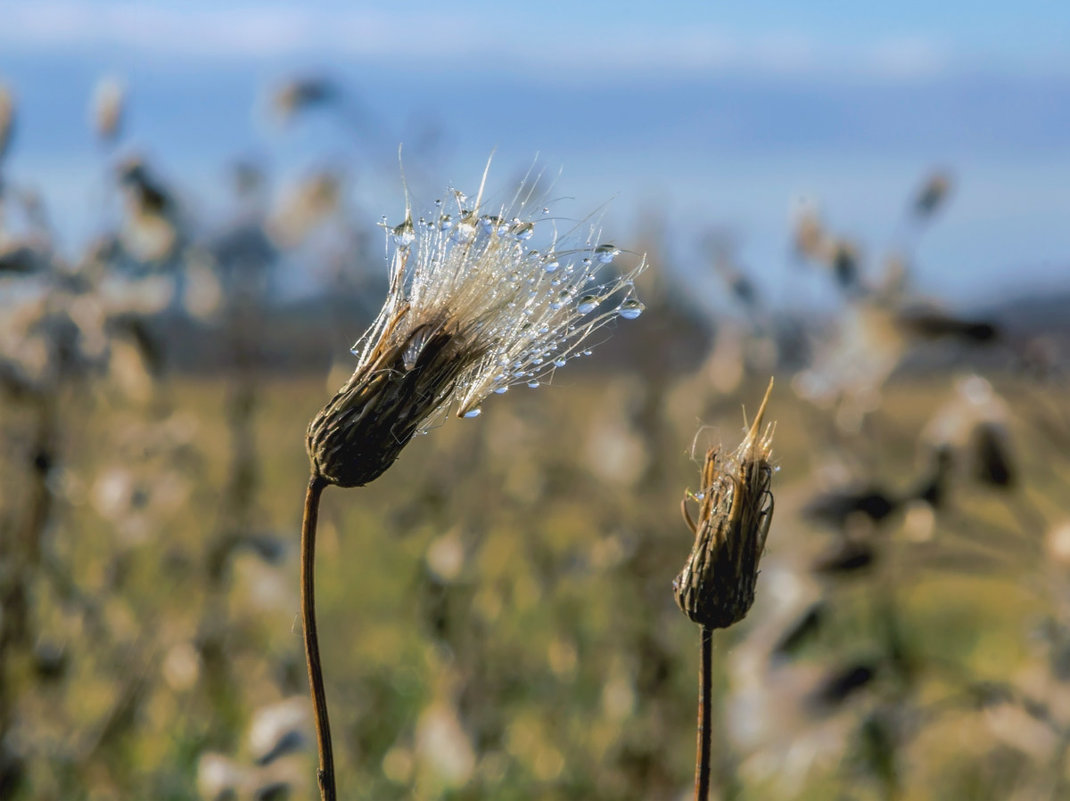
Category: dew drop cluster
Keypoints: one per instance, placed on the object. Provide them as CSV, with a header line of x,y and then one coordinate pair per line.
x,y
511,284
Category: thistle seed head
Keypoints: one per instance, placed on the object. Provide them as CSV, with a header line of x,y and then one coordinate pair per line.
x,y
716,586
472,309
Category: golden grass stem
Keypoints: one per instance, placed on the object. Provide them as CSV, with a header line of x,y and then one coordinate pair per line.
x,y
312,649
705,716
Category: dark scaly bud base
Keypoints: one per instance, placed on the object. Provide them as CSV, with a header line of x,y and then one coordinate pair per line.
x,y
359,434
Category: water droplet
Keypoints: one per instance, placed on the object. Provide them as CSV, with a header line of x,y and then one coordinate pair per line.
x,y
523,230
537,360
403,234
473,412
631,308
588,303
587,352
559,362
533,383
551,266
445,222
501,390
606,253
493,224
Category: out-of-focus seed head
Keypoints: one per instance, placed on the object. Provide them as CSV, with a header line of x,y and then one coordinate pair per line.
x,y
304,207
303,93
106,111
932,194
7,119
811,241
473,309
716,586
150,231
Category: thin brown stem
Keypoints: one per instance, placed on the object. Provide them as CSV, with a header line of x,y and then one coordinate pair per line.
x,y
312,648
705,716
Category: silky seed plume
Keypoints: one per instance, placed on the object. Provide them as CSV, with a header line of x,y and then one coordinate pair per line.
x,y
480,300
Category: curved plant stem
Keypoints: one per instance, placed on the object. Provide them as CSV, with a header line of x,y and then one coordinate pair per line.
x,y
705,722
312,649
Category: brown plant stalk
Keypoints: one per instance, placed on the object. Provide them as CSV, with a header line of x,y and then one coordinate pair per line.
x,y
705,722
324,747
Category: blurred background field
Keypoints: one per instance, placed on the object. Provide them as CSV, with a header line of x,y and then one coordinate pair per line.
x,y
181,278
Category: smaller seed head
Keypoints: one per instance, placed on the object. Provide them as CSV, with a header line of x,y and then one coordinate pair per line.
x,y
716,586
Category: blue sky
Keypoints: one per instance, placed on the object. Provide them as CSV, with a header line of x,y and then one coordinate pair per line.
x,y
713,114
951,34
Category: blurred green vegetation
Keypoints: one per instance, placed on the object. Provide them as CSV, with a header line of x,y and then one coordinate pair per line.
x,y
496,612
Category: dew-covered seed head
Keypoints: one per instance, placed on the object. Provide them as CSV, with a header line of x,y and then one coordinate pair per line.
x,y
483,298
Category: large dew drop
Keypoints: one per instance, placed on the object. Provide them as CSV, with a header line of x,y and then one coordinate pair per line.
x,y
403,234
631,309
606,253
588,303
522,230
473,413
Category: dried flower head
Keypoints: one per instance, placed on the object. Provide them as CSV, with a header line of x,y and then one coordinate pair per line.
x,y
473,308
716,586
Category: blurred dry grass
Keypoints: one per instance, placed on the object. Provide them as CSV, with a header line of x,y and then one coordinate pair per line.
x,y
496,612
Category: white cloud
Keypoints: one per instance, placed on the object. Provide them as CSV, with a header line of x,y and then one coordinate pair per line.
x,y
909,57
456,36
